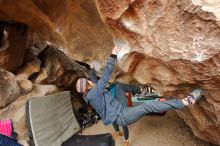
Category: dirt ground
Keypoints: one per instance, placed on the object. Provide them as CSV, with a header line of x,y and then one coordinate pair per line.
x,y
168,130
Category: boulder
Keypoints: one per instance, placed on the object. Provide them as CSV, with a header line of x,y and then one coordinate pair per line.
x,y
25,86
71,26
12,50
172,46
9,87
23,73
57,68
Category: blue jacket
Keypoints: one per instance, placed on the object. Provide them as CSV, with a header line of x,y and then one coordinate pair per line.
x,y
100,98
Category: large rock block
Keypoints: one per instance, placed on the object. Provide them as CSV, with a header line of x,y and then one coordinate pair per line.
x,y
59,69
71,25
12,50
9,88
162,29
174,47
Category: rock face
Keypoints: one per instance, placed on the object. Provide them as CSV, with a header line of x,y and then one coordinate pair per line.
x,y
59,69
177,78
51,66
9,88
157,28
71,25
172,46
14,39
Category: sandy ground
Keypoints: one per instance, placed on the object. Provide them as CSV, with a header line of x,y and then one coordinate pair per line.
x,y
168,130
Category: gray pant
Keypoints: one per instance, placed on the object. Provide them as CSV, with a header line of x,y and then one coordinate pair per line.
x,y
128,115
120,90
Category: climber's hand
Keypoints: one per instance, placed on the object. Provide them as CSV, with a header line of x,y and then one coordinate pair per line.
x,y
115,50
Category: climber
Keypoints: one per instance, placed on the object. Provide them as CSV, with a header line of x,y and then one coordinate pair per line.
x,y
111,111
118,91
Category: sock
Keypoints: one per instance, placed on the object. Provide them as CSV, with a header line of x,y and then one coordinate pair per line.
x,y
126,140
189,100
185,102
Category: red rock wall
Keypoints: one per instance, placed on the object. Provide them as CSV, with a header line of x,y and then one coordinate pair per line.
x,y
176,46
12,56
73,26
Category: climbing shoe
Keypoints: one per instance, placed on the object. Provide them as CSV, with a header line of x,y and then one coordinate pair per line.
x,y
126,143
194,96
116,135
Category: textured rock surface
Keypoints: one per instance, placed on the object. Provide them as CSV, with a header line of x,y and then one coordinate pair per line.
x,y
9,88
178,78
13,50
71,25
177,49
28,69
57,68
162,29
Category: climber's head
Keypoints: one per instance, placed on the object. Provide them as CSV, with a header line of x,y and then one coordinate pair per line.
x,y
83,84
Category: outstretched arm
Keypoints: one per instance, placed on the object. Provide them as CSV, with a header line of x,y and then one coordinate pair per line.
x,y
108,70
93,75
